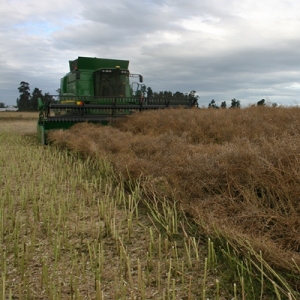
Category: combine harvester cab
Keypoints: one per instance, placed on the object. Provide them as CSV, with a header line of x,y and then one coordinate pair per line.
x,y
98,90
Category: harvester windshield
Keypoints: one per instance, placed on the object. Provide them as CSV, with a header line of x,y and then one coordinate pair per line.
x,y
110,82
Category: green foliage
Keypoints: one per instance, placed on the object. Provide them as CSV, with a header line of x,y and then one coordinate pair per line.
x,y
213,104
192,96
23,102
178,94
166,94
149,92
37,93
163,94
48,98
235,103
261,102
223,104
143,90
28,102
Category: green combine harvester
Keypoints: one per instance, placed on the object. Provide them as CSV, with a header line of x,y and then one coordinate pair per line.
x,y
99,90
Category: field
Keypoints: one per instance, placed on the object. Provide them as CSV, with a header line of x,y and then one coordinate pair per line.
x,y
175,204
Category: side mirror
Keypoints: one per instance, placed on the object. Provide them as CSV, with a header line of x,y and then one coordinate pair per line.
x,y
77,74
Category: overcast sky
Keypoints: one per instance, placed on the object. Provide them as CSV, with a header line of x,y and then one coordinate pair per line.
x,y
243,49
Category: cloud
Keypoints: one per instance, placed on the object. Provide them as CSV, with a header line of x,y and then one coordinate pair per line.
x,y
222,49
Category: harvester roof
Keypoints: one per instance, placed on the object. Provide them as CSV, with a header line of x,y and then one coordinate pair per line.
x,y
94,63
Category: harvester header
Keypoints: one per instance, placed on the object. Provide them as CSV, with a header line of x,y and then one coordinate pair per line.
x,y
98,90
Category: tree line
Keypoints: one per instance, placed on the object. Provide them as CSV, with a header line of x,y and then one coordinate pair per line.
x,y
148,92
236,104
28,101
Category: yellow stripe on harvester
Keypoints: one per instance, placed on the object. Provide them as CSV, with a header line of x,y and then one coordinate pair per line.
x,y
67,101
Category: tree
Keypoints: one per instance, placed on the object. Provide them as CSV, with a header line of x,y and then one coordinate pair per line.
x,y
213,104
37,93
2,105
178,95
143,90
223,104
168,94
235,103
261,102
49,99
149,92
193,98
23,103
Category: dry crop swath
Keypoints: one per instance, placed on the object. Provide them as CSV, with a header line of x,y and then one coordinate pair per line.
x,y
234,172
71,229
